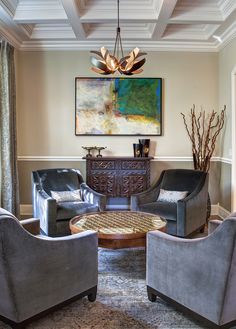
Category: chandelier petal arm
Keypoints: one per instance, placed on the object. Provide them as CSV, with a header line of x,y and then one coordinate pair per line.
x,y
137,65
137,71
141,54
109,64
96,70
99,64
98,53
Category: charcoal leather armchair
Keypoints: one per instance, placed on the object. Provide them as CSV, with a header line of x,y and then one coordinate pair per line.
x,y
54,216
184,216
39,273
196,275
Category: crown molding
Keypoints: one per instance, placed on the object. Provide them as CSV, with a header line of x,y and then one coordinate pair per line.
x,y
12,39
147,45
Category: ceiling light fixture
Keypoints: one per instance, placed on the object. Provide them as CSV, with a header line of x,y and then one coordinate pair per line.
x,y
109,64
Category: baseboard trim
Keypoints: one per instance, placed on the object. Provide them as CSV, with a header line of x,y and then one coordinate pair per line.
x,y
216,209
26,210
222,212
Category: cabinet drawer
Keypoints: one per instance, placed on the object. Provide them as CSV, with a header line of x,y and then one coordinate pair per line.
x,y
103,164
133,165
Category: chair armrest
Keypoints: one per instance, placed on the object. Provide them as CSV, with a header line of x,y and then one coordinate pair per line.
x,y
182,269
93,197
32,225
191,211
148,196
169,253
61,267
67,237
46,210
213,224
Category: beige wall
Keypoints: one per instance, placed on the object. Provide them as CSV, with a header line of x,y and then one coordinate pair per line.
x,y
45,102
45,109
227,63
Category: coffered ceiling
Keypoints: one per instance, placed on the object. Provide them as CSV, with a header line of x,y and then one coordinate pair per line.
x,y
199,25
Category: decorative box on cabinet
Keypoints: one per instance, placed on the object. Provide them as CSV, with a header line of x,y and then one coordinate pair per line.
x,y
118,176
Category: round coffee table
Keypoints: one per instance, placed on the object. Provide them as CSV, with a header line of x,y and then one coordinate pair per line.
x,y
118,229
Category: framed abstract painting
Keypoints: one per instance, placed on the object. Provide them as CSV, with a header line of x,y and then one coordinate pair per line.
x,y
118,106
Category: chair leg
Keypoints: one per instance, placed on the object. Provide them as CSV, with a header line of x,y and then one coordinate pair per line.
x,y
92,295
202,229
151,296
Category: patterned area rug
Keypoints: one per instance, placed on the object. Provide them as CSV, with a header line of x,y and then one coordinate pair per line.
x,y
121,303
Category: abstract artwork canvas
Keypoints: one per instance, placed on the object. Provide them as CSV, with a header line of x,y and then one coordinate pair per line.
x,y
118,106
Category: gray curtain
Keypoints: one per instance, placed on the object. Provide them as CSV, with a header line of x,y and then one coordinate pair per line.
x,y
8,156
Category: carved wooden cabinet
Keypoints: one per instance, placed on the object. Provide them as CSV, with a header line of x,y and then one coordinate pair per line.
x,y
118,176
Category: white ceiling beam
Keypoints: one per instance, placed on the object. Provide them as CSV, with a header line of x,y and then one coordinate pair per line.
x,y
165,11
9,6
72,10
40,11
10,30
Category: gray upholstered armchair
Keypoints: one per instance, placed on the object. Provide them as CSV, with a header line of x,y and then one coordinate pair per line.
x,y
54,216
38,273
199,274
184,216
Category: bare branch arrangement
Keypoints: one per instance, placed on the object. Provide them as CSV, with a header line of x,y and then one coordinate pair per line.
x,y
203,131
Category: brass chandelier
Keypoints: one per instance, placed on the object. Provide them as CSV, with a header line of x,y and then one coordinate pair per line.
x,y
109,64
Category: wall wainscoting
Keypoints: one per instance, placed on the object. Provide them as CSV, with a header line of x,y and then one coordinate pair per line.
x,y
220,175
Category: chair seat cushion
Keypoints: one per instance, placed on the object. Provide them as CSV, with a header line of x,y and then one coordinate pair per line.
x,y
167,210
70,209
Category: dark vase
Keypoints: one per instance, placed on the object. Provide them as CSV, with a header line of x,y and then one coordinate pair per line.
x,y
145,146
137,150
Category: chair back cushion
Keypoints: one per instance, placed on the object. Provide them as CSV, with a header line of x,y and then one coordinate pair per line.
x,y
59,179
182,179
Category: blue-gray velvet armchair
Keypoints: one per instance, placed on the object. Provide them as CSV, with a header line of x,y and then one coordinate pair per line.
x,y
38,273
54,216
184,216
197,274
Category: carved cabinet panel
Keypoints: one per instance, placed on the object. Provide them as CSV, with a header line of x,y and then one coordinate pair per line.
x,y
118,176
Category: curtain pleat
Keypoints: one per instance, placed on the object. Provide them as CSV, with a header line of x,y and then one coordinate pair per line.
x,y
9,174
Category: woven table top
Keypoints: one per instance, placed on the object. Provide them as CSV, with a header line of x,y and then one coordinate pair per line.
x,y
119,222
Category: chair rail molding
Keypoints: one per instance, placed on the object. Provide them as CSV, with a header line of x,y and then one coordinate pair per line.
x,y
81,158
